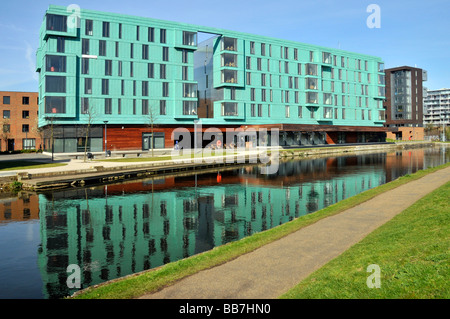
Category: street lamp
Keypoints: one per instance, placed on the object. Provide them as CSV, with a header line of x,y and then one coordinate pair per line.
x,y
106,146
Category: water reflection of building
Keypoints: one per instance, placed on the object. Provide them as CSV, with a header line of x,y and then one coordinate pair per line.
x,y
19,209
110,234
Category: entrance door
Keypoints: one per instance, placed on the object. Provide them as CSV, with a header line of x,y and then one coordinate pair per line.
x,y
148,141
11,145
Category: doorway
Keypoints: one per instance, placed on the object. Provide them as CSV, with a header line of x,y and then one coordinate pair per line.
x,y
10,145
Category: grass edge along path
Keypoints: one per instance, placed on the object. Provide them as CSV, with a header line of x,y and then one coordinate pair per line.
x,y
21,165
411,251
148,281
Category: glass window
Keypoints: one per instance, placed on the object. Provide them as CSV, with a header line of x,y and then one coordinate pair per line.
x,y
6,99
84,66
380,67
287,111
185,56
25,100
145,110
6,114
151,70
189,38
162,107
300,111
55,63
185,71
190,90
105,86
229,109
145,51
108,67
165,89
189,108
144,88
311,97
56,23
131,50
327,112
151,34
105,30
326,57
162,71
327,99
165,54
252,47
84,105
60,45
89,27
137,33
55,104
85,46
229,44
163,36
102,48
6,128
311,69
119,68
108,106
229,76
229,60
311,84
55,84
117,49
28,143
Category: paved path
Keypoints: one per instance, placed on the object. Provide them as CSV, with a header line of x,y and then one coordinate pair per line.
x,y
273,269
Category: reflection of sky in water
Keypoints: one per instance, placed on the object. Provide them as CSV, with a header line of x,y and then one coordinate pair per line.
x,y
126,228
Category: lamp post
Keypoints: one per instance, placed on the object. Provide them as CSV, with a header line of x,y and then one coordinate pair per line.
x,y
106,146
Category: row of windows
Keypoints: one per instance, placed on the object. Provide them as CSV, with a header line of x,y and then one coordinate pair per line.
x,y
7,100
7,128
7,114
146,108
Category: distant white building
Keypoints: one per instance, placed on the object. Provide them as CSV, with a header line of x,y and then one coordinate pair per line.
x,y
436,104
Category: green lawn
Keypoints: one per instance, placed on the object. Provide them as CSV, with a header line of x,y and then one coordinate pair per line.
x,y
412,251
153,280
21,164
165,158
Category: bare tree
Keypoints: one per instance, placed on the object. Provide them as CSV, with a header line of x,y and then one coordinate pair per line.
x,y
152,116
90,114
6,131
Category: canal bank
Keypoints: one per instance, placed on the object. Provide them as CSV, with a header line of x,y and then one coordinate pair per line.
x,y
279,257
106,170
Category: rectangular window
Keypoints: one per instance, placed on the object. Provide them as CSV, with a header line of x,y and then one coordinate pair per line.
x,y
134,107
185,73
151,70
229,76
165,89
55,63
84,66
311,97
229,44
343,114
162,71
165,54
229,109
25,128
295,54
229,60
29,143
137,33
6,114
120,30
131,69
151,34
6,128
119,106
131,50
162,107
60,45
327,112
311,83
108,67
189,38
327,99
89,27
85,46
55,84
249,78
108,106
300,111
145,110
189,90
311,69
134,87
117,49
56,23
252,47
259,110
252,110
105,86
185,56
287,111
25,100
252,94
189,108
102,48
6,99
144,88
87,86
311,56
162,38
258,64
119,68
248,63
122,87
105,32
263,49
55,104
145,51
84,105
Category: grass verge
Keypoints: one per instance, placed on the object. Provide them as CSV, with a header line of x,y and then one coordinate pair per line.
x,y
412,251
16,165
153,280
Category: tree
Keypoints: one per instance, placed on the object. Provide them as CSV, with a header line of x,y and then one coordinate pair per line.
x,y
151,115
6,131
90,114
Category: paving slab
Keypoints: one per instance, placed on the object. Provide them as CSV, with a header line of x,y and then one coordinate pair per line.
x,y
273,269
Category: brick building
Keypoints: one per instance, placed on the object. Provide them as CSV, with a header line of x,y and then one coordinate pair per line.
x,y
19,112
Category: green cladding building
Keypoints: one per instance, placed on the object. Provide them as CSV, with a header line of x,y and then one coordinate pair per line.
x,y
137,73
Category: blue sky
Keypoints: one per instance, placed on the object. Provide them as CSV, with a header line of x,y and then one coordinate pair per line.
x,y
414,33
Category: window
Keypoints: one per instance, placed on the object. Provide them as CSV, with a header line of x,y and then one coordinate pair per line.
x,y
311,84
248,63
119,68
137,33
229,76
84,105
189,38
326,57
84,66
295,54
6,99
162,38
327,99
189,90
162,71
89,27
165,89
120,30
252,110
108,106
85,46
131,69
102,48
185,56
260,110
263,49
165,54
144,88
229,109
311,69
145,51
6,114
56,23
229,44
287,111
28,143
105,86
162,107
119,106
117,49
145,110
108,67
6,128
327,112
55,63
258,64
252,94
60,45
55,84
25,100
25,128
343,114
311,97
55,104
300,111
311,56
134,106
189,108
151,70
249,78
252,47
185,73
122,87
105,30
229,60
131,50
151,34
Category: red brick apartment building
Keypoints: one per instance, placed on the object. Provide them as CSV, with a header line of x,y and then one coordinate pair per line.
x,y
19,112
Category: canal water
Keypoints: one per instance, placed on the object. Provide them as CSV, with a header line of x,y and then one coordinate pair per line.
x,y
114,230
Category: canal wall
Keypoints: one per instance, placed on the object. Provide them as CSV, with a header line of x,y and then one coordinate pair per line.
x,y
41,181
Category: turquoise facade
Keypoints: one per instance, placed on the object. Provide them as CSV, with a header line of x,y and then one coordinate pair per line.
x,y
126,69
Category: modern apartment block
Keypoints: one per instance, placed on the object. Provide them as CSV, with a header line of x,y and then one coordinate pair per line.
x,y
138,72
437,107
19,112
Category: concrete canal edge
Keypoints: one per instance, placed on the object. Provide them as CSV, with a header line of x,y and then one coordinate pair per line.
x,y
267,256
42,179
